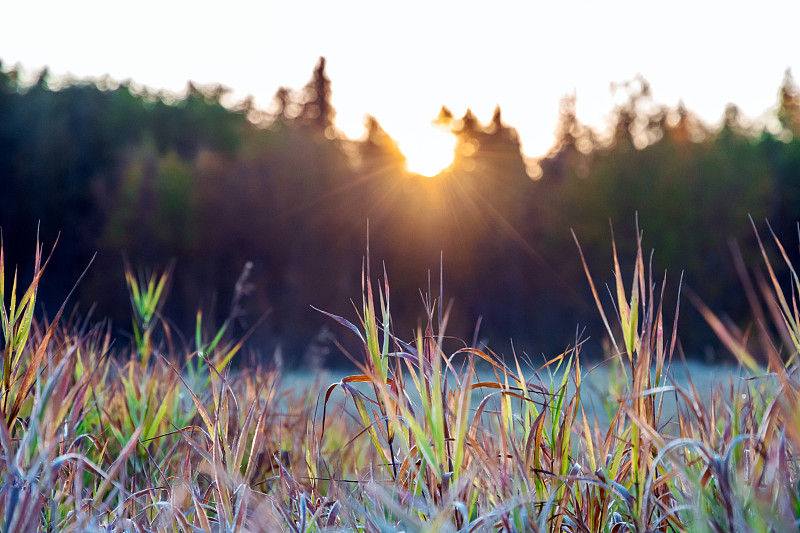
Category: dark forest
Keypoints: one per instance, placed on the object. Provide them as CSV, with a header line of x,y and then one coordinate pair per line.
x,y
268,212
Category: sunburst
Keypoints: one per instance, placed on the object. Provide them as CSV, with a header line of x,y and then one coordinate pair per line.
x,y
428,151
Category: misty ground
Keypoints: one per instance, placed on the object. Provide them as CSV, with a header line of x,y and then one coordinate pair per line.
x,y
597,391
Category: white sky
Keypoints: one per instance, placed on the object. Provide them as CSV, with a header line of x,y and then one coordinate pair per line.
x,y
401,61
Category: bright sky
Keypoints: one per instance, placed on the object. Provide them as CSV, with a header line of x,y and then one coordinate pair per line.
x,y
401,61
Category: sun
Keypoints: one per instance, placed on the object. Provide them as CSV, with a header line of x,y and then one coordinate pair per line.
x,y
428,151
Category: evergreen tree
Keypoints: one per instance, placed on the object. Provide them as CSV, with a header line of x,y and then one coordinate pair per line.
x,y
317,109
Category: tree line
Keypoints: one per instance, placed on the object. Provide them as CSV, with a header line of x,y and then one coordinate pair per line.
x,y
159,179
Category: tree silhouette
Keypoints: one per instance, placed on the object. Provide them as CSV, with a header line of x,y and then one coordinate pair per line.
x,y
163,177
317,109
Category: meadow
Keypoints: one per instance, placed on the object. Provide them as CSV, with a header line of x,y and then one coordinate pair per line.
x,y
169,434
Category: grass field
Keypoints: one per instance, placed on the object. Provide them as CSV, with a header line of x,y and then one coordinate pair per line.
x,y
164,436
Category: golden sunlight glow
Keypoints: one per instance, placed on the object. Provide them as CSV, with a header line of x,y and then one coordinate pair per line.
x,y
428,151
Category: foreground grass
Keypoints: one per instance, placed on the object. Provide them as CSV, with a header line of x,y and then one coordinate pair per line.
x,y
164,437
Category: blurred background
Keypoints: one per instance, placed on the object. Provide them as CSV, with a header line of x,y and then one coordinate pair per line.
x,y
462,137
163,178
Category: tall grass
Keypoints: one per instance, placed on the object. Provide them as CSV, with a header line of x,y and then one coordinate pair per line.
x,y
164,436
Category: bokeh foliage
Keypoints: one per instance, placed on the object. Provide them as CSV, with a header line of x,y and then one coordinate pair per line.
x,y
119,169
